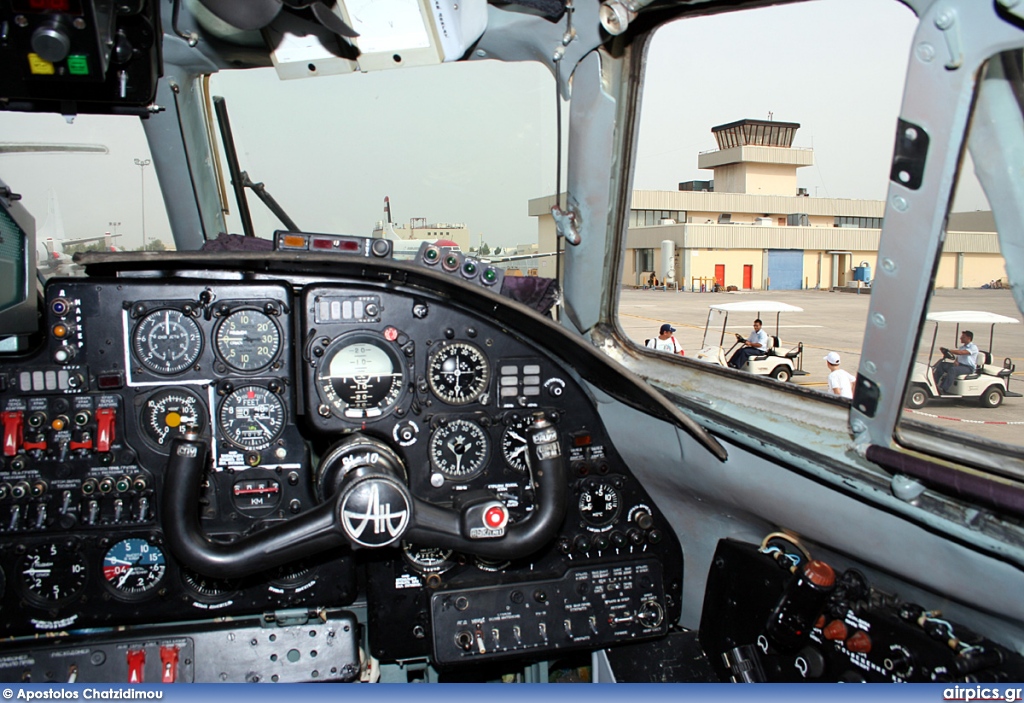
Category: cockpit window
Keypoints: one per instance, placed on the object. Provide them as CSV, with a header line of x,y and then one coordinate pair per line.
x,y
966,387
66,170
759,186
432,155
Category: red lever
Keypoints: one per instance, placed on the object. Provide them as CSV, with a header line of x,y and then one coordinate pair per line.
x,y
105,429
136,662
14,431
168,664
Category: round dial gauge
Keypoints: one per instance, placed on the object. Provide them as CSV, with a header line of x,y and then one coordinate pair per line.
x,y
251,417
458,373
207,587
133,567
167,341
362,376
427,560
247,340
513,443
168,413
52,573
459,449
599,503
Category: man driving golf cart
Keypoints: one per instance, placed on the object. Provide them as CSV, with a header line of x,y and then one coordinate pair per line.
x,y
767,360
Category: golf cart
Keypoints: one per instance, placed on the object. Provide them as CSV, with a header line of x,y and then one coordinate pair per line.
x,y
780,364
988,385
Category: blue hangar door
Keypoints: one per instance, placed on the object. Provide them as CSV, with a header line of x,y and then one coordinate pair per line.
x,y
786,269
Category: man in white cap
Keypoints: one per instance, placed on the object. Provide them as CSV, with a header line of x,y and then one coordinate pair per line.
x,y
665,341
840,381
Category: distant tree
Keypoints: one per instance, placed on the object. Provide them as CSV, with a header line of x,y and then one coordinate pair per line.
x,y
485,250
156,245
497,251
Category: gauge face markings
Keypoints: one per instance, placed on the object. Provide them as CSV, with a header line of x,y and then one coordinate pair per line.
x,y
251,417
459,449
362,376
52,573
599,503
247,340
168,413
427,560
133,566
167,341
513,444
458,373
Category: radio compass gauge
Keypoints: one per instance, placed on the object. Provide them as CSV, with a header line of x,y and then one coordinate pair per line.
x,y
133,567
51,574
168,413
251,417
247,340
459,449
513,443
458,373
599,503
361,376
167,341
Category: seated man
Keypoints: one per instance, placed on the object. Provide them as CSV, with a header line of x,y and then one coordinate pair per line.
x,y
755,344
965,361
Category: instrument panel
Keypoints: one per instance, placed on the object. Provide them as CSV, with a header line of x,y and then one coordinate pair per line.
x,y
274,374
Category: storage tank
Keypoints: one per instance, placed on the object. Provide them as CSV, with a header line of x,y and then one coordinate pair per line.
x,y
668,262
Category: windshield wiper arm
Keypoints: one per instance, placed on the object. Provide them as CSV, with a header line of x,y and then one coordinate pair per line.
x,y
240,179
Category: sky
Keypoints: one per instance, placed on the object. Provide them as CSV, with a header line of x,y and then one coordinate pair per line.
x,y
472,143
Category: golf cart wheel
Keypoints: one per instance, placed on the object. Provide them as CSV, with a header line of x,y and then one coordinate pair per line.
x,y
917,396
992,397
782,373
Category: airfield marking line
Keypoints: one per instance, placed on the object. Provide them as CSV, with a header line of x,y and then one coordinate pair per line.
x,y
960,419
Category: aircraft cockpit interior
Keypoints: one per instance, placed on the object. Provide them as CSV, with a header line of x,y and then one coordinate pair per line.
x,y
253,432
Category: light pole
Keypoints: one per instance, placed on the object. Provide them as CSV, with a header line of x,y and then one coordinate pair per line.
x,y
142,164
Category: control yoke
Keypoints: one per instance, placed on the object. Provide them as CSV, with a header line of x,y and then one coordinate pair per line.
x,y
366,504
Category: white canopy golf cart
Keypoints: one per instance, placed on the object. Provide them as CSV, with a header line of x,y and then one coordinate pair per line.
x,y
781,364
988,385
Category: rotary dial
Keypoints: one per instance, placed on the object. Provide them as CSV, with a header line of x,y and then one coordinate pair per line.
x,y
167,341
133,567
458,373
599,503
459,449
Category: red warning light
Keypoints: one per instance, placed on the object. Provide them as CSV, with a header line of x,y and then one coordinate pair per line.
x,y
390,334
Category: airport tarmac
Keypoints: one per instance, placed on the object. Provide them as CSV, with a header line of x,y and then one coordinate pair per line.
x,y
835,321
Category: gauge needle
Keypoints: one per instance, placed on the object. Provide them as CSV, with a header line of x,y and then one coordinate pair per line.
x,y
167,323
128,571
517,452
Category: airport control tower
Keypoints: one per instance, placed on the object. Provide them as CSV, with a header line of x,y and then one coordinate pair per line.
x,y
756,157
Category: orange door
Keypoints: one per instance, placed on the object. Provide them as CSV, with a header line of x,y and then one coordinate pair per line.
x,y
720,274
748,276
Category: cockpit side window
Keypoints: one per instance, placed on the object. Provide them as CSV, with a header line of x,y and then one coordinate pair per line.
x,y
759,186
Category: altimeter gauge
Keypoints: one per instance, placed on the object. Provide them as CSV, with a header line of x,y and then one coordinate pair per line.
x,y
247,340
51,574
361,377
167,341
459,449
133,567
251,417
168,413
458,373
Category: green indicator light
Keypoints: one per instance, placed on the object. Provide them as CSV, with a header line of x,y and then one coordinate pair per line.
x,y
490,276
431,254
78,65
469,268
451,262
